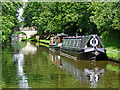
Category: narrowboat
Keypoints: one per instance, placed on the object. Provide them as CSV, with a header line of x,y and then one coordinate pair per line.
x,y
91,47
56,41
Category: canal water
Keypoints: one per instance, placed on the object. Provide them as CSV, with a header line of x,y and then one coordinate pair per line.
x,y
26,65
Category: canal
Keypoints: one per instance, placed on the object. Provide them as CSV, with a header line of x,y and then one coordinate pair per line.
x,y
26,65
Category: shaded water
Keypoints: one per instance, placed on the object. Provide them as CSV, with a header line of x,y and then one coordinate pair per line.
x,y
25,65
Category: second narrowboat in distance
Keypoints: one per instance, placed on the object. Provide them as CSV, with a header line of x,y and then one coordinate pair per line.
x,y
56,42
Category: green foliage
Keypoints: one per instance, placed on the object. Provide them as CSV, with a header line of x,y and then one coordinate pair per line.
x,y
111,38
106,15
57,17
72,17
9,19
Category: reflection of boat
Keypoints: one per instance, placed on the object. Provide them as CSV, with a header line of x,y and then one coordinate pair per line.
x,y
89,46
56,41
93,75
56,60
90,72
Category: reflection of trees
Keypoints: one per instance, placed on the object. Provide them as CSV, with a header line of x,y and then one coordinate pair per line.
x,y
19,58
42,73
18,45
9,68
13,66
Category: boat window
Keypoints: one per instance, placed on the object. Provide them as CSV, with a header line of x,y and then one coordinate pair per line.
x,y
77,43
69,42
74,42
64,42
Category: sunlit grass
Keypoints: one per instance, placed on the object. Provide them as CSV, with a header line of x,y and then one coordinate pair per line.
x,y
113,48
44,45
45,41
113,55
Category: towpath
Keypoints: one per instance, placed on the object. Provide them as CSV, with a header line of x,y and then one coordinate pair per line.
x,y
113,50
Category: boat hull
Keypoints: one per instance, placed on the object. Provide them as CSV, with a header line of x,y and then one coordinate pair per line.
x,y
54,49
80,55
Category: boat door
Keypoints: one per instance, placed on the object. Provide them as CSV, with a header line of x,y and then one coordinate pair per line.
x,y
53,41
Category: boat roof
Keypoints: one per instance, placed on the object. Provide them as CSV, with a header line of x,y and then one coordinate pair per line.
x,y
71,37
61,34
85,39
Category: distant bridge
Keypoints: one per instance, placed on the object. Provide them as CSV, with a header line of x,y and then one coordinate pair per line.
x,y
29,33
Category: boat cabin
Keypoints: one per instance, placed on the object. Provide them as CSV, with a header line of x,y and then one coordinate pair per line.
x,y
56,41
85,43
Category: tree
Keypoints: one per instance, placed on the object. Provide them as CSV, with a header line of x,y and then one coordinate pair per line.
x,y
106,15
57,17
9,19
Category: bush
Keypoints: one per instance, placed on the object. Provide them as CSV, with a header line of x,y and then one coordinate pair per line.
x,y
111,38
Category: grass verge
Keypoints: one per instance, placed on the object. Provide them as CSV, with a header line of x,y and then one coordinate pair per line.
x,y
113,53
45,41
44,45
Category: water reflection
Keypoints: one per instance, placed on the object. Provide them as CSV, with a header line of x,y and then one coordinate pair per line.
x,y
18,57
43,69
93,75
28,49
23,82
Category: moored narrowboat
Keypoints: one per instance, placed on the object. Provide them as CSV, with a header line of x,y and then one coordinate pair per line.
x,y
90,46
56,41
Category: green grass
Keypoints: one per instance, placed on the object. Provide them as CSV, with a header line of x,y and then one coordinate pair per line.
x,y
44,45
48,37
111,39
45,41
113,55
113,48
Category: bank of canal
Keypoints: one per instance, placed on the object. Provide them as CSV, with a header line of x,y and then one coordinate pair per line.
x,y
34,66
